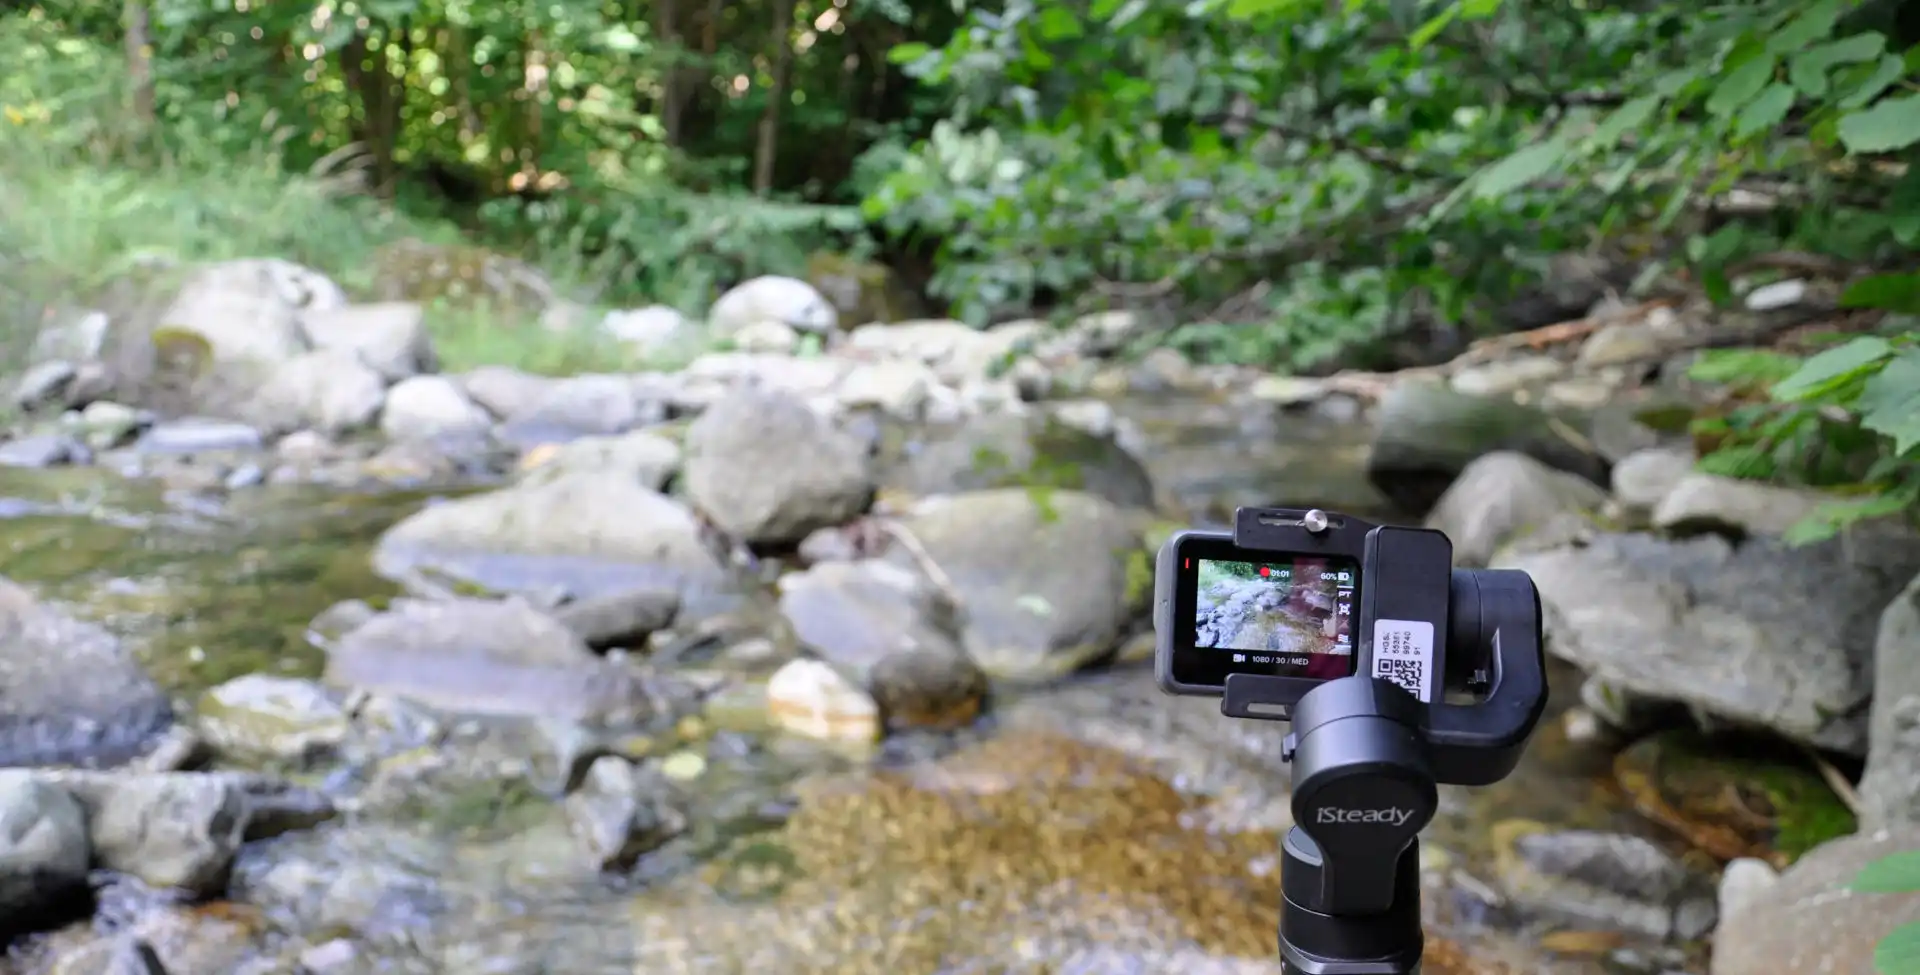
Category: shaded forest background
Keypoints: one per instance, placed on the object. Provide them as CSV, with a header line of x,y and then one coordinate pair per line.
x,y
1302,185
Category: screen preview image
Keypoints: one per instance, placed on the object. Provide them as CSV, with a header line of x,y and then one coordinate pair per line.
x,y
1285,613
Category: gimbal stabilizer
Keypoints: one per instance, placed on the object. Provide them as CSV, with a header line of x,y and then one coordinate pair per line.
x,y
1367,756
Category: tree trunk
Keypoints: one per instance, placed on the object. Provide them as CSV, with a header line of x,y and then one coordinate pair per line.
x,y
767,148
369,79
139,66
674,81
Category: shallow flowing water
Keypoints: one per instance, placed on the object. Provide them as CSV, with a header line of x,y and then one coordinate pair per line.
x,y
1097,826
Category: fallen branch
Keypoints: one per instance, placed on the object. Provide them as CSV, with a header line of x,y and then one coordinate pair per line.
x,y
1560,333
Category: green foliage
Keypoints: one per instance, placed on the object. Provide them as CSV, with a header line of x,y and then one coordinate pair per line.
x,y
1899,952
1847,418
527,109
1367,168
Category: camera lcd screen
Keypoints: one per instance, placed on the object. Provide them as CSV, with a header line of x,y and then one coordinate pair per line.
x,y
1264,613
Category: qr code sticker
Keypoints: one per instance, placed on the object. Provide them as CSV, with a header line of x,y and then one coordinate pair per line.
x,y
1403,653
1408,673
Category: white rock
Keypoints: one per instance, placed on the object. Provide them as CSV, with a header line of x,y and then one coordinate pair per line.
x,y
647,328
897,389
768,337
775,298
429,407
808,697
389,336
250,310
1780,294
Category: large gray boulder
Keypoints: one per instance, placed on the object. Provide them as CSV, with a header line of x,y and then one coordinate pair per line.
x,y
1890,790
1046,581
70,693
998,450
590,534
1505,495
505,658
768,469
1427,433
1752,631
1811,919
888,629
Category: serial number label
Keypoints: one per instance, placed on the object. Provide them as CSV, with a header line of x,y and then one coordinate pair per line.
x,y
1403,654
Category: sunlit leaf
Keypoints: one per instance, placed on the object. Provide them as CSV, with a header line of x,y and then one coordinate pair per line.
x,y
1426,32
1767,110
1741,85
1808,69
1813,24
1899,952
1627,118
1891,124
1519,169
1893,292
909,52
1889,404
1896,873
1868,82
1832,367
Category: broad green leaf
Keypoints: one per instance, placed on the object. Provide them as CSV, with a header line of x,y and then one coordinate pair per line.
x,y
1743,461
1814,24
1478,9
1624,119
909,52
1674,82
1829,518
1871,81
1891,124
1740,86
1899,952
1906,228
1808,69
1059,24
1133,9
1889,404
1893,292
1822,372
1765,111
1249,9
1518,170
1432,28
1896,873
1742,365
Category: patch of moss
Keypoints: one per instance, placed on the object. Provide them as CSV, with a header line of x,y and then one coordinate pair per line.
x,y
1733,797
1139,585
1042,497
491,808
181,351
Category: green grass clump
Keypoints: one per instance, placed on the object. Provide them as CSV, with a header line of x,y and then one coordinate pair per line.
x,y
88,210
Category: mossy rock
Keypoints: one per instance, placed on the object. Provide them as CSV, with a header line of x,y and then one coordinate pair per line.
x,y
1006,450
459,276
862,291
1732,798
180,351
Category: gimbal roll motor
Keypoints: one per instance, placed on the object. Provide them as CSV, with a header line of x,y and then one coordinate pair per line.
x,y
1399,673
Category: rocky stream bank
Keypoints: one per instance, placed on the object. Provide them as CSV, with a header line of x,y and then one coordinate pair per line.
x,y
825,653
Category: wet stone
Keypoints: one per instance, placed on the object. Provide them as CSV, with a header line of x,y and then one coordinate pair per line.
x,y
198,436
42,450
619,813
74,693
272,717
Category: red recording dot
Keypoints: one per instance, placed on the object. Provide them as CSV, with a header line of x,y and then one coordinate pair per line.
x,y
1264,571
